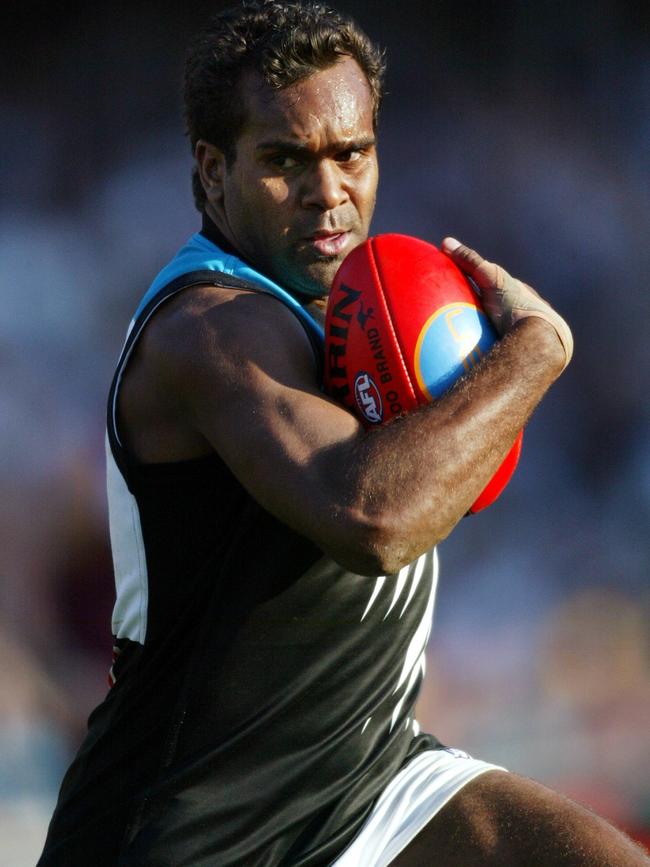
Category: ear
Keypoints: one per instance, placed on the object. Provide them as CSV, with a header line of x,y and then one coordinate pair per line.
x,y
211,165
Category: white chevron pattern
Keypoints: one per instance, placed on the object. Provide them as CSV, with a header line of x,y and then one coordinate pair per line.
x,y
415,659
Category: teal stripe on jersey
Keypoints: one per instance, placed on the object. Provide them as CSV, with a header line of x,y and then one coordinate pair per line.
x,y
202,254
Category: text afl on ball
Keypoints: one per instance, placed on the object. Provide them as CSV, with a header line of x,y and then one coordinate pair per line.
x,y
403,324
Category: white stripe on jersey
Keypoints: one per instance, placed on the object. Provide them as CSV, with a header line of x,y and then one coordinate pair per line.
x,y
129,559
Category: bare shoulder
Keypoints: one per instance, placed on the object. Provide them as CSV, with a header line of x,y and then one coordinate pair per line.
x,y
205,352
211,328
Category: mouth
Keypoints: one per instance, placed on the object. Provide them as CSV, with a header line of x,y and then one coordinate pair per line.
x,y
329,243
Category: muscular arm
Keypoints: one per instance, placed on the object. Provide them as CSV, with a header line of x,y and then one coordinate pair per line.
x,y
236,373
431,465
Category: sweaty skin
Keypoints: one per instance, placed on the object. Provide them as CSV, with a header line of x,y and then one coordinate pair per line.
x,y
233,371
301,192
368,499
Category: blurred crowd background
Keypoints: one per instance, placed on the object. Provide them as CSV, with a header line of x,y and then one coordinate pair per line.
x,y
521,128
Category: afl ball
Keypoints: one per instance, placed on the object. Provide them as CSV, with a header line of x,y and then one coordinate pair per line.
x,y
403,324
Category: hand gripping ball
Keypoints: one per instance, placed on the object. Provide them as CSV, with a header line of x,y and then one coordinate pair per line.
x,y
402,325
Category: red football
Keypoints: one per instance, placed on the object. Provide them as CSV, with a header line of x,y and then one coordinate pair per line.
x,y
403,323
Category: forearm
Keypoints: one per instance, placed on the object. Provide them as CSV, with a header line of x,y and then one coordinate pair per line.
x,y
372,500
411,481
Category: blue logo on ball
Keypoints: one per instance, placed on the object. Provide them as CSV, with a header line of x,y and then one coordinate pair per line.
x,y
451,342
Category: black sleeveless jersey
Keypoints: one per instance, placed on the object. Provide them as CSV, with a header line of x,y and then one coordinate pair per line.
x,y
262,696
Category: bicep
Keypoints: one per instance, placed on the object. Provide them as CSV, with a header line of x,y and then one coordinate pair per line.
x,y
251,391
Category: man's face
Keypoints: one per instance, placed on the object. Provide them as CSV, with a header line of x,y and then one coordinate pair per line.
x,y
301,191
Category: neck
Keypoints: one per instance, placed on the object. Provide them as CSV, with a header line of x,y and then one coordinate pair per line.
x,y
212,232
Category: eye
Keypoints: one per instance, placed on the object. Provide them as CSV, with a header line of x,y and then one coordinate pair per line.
x,y
349,156
284,163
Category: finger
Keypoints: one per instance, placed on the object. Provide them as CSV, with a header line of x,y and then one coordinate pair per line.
x,y
485,274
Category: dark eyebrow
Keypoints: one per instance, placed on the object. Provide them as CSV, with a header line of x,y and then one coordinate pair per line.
x,y
292,148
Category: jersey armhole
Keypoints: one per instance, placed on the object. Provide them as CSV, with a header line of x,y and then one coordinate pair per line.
x,y
194,278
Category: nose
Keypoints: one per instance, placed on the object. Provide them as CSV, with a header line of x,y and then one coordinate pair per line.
x,y
324,186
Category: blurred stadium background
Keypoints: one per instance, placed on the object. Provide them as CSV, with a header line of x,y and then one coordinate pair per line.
x,y
523,129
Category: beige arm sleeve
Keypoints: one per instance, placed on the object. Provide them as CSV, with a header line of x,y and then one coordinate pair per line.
x,y
509,300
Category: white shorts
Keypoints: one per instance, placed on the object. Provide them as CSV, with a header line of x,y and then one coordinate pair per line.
x,y
408,802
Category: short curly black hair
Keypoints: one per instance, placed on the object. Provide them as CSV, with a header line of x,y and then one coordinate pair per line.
x,y
283,42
